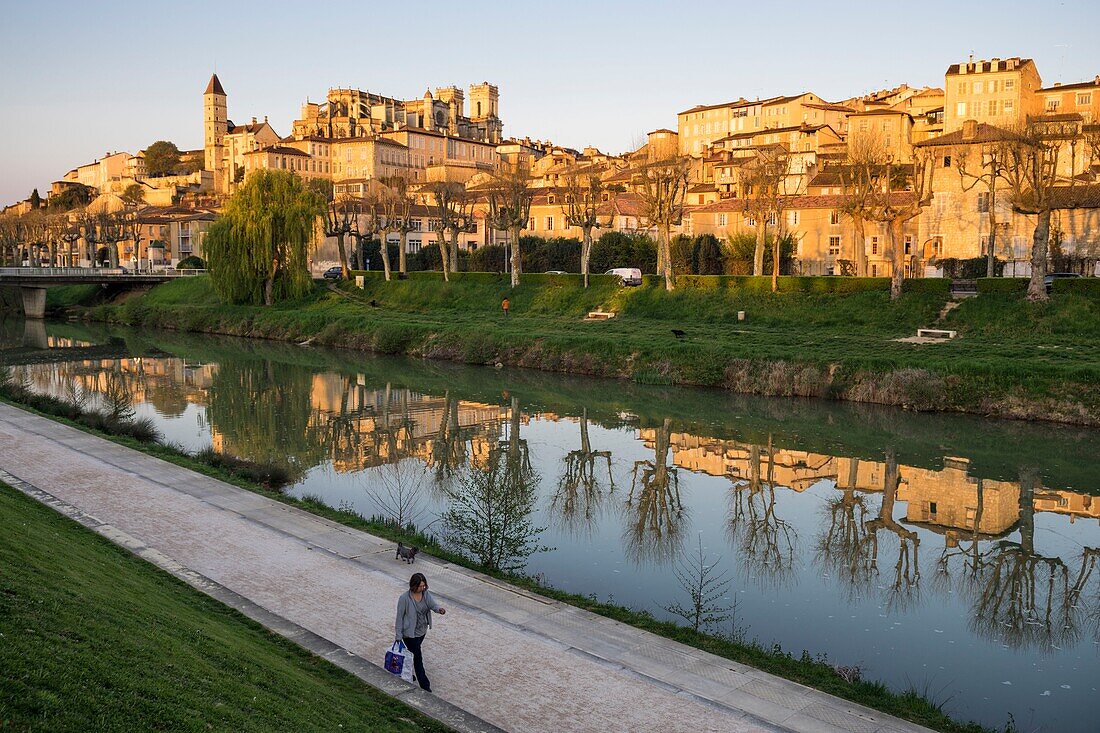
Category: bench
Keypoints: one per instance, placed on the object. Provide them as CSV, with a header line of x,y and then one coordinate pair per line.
x,y
935,333
599,316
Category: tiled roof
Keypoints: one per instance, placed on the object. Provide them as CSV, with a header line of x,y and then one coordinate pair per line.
x,y
731,105
1077,197
796,202
830,107
214,86
987,66
984,134
1077,85
279,150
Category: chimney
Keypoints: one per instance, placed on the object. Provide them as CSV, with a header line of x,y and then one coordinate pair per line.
x,y
265,118
970,129
253,120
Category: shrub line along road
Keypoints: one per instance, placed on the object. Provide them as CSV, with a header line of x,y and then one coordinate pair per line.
x,y
502,657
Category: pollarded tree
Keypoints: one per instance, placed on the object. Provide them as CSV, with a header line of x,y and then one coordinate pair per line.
x,y
982,164
258,250
902,192
1032,152
449,203
766,178
336,221
859,178
662,186
510,195
366,224
399,218
583,197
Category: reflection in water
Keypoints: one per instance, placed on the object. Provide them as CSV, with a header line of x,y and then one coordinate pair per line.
x,y
578,500
417,450
766,542
654,509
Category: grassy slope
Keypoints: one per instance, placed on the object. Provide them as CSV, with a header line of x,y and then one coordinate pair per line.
x,y
95,639
1014,358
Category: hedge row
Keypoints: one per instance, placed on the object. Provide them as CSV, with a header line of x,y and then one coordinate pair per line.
x,y
763,283
1002,285
494,278
933,285
1078,285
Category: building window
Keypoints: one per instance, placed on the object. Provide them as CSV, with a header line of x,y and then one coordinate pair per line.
x,y
834,245
874,245
874,270
983,202
1084,99
1010,84
722,220
834,218
960,109
947,161
932,508
793,218
908,244
1053,104
549,223
1009,106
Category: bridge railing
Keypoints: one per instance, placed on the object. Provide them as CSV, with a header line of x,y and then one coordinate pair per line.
x,y
83,272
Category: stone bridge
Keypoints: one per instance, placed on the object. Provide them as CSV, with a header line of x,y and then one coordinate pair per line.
x,y
33,281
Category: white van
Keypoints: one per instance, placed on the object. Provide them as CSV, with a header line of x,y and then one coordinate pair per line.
x,y
631,276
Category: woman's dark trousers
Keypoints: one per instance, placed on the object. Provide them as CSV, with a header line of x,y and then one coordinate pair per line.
x,y
413,644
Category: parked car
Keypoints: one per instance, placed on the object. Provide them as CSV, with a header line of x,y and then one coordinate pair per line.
x,y
334,273
1049,279
555,272
631,276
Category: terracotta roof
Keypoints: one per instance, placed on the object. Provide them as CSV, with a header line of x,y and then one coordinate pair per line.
x,y
1077,85
731,105
881,112
662,129
795,202
1077,197
215,86
252,127
279,150
829,106
984,134
702,188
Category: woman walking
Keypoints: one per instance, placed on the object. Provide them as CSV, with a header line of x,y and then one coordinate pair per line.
x,y
414,618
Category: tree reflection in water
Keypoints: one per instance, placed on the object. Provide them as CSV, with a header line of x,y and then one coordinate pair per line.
x,y
904,583
448,447
654,511
845,548
766,541
578,499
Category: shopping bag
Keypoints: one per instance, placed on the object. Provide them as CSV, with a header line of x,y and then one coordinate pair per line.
x,y
399,661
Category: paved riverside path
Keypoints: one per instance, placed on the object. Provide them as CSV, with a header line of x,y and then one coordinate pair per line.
x,y
506,657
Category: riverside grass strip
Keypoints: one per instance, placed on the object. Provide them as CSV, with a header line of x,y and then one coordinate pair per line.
x,y
1013,359
913,705
97,639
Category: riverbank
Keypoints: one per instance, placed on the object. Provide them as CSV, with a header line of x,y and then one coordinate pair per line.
x,y
112,644
318,536
815,672
1013,359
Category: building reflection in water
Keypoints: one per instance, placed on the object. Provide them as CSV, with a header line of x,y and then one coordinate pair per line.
x,y
868,539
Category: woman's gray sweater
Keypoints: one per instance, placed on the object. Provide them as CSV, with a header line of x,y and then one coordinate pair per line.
x,y
405,625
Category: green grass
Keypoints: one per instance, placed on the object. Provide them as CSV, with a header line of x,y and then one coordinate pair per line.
x,y
94,638
1014,358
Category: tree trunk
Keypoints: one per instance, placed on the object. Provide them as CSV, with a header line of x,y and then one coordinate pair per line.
x,y
758,253
517,267
401,254
269,290
53,254
385,250
990,257
897,269
1037,289
775,262
444,257
454,250
586,252
343,255
860,259
664,244
112,252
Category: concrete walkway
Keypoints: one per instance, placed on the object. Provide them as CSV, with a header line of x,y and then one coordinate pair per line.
x,y
500,658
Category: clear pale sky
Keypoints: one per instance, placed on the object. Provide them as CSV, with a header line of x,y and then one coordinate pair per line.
x,y
78,79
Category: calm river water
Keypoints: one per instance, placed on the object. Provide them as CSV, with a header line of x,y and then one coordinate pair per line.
x,y
951,554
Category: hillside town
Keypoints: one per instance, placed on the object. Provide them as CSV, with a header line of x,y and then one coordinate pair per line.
x,y
913,177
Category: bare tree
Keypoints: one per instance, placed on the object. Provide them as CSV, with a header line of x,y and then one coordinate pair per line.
x,y
706,587
767,540
580,493
336,221
366,220
397,489
583,196
982,164
1032,152
653,532
900,194
860,173
70,235
453,208
510,195
11,236
662,186
765,180
399,218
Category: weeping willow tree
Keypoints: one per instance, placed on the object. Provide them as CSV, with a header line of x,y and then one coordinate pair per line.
x,y
258,250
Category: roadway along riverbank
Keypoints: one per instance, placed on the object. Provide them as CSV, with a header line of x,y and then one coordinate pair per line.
x,y
503,655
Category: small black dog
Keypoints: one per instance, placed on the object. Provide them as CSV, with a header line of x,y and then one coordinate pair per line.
x,y
678,333
408,554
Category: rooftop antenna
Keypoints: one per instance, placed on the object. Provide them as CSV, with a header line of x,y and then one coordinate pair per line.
x,y
1062,61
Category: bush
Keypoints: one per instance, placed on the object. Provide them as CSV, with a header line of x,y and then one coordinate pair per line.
x,y
969,269
489,258
933,285
191,263
268,474
1089,286
616,249
1002,285
559,253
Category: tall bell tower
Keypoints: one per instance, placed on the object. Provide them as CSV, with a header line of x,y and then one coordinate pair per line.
x,y
215,127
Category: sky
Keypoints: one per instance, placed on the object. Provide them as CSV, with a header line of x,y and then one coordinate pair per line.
x,y
79,79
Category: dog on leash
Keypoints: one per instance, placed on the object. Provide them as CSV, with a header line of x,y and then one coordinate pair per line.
x,y
408,554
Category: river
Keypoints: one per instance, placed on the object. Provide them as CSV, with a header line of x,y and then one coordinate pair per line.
x,y
946,553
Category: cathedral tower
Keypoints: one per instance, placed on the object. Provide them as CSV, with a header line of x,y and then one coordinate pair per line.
x,y
215,127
